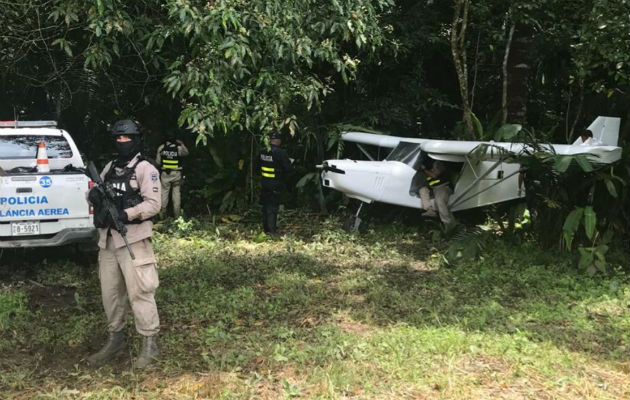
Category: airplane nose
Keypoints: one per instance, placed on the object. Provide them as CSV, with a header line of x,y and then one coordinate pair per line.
x,y
332,168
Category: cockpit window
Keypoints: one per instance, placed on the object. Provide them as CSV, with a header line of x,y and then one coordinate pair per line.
x,y
25,146
408,153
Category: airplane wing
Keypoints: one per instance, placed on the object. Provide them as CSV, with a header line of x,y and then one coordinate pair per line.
x,y
377,140
450,150
605,129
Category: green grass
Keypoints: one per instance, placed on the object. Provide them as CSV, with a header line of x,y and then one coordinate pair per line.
x,y
322,314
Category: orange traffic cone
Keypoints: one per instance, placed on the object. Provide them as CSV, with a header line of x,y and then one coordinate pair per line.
x,y
42,158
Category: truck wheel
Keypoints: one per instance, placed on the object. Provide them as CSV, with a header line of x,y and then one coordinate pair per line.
x,y
85,253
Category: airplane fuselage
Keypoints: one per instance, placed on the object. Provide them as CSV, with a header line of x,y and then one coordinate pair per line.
x,y
391,182
486,178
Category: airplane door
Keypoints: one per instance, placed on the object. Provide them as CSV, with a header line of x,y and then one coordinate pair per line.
x,y
486,182
403,163
396,187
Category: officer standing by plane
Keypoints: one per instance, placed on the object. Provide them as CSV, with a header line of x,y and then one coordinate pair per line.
x,y
169,156
438,181
274,166
128,274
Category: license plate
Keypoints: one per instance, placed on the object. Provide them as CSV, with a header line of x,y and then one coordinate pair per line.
x,y
25,228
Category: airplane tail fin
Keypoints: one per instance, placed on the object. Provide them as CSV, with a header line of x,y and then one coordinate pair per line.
x,y
606,130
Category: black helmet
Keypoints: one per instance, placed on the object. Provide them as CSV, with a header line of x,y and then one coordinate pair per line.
x,y
125,127
172,133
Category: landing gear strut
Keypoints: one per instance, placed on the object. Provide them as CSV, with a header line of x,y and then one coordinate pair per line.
x,y
353,222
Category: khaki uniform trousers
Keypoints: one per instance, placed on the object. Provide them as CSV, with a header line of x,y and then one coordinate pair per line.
x,y
125,279
172,182
441,195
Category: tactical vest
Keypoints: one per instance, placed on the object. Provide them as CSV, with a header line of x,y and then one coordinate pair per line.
x,y
444,178
126,195
169,156
267,166
432,181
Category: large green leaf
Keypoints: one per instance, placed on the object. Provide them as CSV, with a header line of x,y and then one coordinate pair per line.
x,y
590,220
507,132
311,176
562,163
215,156
477,125
571,224
586,257
584,163
610,185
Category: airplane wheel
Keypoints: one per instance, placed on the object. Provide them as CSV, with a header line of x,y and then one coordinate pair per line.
x,y
351,224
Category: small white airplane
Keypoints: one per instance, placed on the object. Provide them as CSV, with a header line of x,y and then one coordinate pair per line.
x,y
493,179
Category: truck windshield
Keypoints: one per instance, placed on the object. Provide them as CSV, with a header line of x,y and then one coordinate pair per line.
x,y
408,153
22,146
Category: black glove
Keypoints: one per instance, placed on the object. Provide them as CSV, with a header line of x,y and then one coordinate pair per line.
x,y
95,196
122,216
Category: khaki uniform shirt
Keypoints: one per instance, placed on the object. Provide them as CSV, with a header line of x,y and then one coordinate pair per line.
x,y
146,178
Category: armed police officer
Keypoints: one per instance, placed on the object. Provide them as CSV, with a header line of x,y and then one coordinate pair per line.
x,y
128,274
169,156
274,166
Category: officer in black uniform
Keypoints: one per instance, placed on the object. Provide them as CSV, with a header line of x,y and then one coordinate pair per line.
x,y
168,157
274,165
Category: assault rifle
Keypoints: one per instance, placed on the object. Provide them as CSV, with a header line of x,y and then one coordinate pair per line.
x,y
107,195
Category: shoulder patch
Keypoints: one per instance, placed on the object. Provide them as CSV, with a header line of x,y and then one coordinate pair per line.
x,y
154,176
155,189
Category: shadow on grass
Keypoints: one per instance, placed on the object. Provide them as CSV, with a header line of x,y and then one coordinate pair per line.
x,y
225,308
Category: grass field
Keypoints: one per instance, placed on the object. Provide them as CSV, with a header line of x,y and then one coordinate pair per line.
x,y
322,314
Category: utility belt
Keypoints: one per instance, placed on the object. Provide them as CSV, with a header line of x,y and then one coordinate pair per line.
x,y
168,171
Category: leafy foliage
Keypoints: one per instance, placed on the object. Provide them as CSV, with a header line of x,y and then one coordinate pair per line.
x,y
565,193
12,306
248,62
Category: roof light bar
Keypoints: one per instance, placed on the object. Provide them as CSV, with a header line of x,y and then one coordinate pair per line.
x,y
28,124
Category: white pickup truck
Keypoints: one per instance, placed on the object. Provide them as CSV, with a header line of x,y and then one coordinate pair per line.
x,y
42,209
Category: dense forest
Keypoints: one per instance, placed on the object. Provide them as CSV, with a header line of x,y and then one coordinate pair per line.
x,y
236,67
519,300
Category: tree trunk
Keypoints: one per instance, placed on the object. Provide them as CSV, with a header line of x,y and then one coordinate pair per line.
x,y
506,56
458,49
250,175
578,116
518,72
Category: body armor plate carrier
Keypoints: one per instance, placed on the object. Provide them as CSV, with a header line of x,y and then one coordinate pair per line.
x,y
126,195
169,156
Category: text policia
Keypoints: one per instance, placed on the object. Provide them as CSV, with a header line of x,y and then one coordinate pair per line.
x,y
28,211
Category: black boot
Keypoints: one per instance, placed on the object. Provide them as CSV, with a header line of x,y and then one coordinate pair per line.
x,y
149,352
115,344
271,223
265,224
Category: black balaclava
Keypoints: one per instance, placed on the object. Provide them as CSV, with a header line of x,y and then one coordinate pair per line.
x,y
127,150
